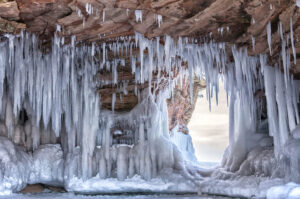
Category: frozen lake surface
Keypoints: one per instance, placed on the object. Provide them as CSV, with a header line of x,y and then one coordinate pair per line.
x,y
73,196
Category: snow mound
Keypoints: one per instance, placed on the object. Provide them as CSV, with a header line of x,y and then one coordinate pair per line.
x,y
288,191
14,167
136,184
48,165
235,185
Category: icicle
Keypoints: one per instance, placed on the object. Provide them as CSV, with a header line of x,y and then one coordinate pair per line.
x,y
282,108
253,43
103,16
284,61
138,16
269,37
89,8
113,102
142,148
114,72
159,20
281,32
292,41
269,80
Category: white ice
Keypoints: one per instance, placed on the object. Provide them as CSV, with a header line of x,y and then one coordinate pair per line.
x,y
288,191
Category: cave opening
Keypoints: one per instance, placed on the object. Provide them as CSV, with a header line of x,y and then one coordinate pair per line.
x,y
209,129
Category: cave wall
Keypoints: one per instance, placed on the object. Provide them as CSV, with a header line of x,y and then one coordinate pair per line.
x,y
180,107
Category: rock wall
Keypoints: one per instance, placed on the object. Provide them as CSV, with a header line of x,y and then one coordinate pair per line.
x,y
180,107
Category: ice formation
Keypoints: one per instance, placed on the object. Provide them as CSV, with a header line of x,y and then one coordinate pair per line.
x,y
89,8
253,42
298,3
103,16
159,20
269,33
139,16
184,144
50,106
51,99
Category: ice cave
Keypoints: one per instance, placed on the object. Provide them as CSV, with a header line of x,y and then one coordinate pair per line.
x,y
96,98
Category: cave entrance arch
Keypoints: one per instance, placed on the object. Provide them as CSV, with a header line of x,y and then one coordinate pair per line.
x,y
210,129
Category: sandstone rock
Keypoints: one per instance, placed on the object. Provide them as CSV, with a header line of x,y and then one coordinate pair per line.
x,y
180,108
10,26
35,188
9,10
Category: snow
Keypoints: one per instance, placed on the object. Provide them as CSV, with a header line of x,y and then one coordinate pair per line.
x,y
14,167
47,195
133,185
238,186
288,191
48,165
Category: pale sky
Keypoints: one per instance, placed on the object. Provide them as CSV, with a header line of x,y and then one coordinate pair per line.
x,y
209,130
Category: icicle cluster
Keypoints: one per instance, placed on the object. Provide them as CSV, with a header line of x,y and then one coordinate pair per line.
x,y
57,92
55,89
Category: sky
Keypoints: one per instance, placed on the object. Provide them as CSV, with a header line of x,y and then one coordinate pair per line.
x,y
209,130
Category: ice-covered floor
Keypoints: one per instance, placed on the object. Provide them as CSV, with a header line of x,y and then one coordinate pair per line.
x,y
175,184
73,196
288,191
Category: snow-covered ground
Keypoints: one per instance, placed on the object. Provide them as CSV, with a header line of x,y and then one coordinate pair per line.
x,y
133,185
288,191
208,165
74,196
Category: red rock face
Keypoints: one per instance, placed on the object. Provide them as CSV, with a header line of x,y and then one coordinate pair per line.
x,y
180,108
